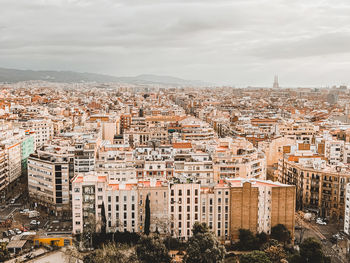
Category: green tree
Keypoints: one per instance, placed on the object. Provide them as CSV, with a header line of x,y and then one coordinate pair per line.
x,y
261,238
255,256
151,249
203,247
271,242
110,253
103,219
147,216
281,233
199,228
275,253
4,254
247,241
311,251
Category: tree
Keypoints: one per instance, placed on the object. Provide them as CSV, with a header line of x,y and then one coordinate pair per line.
x,y
199,228
147,216
103,219
110,253
261,238
255,256
89,230
280,233
203,247
247,241
151,249
311,251
275,253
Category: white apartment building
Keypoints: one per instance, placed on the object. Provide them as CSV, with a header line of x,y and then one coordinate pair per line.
x,y
3,170
334,151
215,209
303,131
184,208
238,158
43,128
347,210
13,150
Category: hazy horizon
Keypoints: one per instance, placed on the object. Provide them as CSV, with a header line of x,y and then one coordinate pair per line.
x,y
240,43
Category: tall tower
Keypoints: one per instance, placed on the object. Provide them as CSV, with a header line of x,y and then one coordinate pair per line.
x,y
275,83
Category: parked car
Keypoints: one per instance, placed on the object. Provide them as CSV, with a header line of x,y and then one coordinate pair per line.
x,y
5,234
11,232
24,211
35,222
320,221
17,231
12,201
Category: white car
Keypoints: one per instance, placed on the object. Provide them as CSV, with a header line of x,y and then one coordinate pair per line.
x,y
320,222
17,231
34,222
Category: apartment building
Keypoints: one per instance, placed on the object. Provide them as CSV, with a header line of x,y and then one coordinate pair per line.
x,y
193,129
215,209
334,151
347,210
49,173
301,130
184,209
3,172
320,187
158,195
42,128
176,205
84,156
238,158
259,205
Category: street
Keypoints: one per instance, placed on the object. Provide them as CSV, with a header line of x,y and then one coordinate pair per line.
x,y
323,233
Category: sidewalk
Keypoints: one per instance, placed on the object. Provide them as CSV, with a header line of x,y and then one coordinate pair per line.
x,y
21,258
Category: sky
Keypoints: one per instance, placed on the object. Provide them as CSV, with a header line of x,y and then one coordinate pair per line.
x,y
236,42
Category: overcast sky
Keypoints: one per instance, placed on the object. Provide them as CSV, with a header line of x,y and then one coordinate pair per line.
x,y
238,42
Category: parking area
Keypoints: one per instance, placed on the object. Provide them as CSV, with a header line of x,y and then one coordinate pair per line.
x,y
58,226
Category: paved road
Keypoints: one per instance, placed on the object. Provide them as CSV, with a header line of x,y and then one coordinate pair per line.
x,y
323,233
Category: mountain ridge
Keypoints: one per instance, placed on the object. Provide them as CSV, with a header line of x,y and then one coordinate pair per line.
x,y
18,75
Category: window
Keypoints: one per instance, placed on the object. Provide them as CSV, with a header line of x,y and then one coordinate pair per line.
x,y
76,190
99,189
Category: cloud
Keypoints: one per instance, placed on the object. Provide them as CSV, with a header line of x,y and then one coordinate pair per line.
x,y
243,42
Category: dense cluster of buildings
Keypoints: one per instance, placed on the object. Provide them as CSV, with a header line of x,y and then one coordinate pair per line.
x,y
233,158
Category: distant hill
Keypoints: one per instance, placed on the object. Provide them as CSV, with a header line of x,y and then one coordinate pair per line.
x,y
16,75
